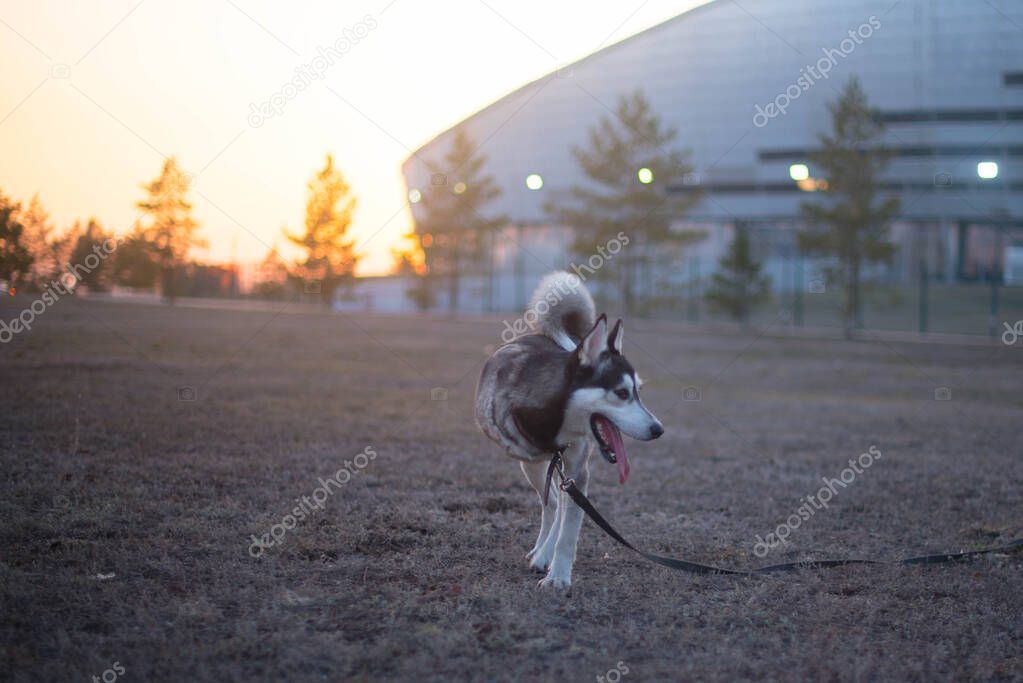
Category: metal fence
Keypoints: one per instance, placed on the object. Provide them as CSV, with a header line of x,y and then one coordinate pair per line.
x,y
926,306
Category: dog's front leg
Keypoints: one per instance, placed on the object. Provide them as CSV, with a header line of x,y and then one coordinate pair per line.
x,y
540,556
570,518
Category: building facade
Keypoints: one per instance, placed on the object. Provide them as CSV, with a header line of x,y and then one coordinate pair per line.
x,y
747,90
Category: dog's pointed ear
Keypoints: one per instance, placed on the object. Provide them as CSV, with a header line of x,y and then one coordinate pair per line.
x,y
614,340
594,343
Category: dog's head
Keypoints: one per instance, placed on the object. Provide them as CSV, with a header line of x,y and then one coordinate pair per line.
x,y
605,387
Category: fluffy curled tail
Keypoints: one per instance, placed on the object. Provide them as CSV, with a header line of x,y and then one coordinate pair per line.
x,y
563,308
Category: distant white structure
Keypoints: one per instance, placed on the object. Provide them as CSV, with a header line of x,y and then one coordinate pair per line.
x,y
746,87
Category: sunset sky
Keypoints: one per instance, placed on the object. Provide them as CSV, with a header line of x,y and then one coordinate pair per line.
x,y
95,94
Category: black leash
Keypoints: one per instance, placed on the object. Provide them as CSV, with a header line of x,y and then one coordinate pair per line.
x,y
580,499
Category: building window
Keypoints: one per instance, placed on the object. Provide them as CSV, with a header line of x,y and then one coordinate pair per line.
x,y
950,115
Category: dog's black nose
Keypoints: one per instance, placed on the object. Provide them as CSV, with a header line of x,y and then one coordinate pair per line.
x,y
656,431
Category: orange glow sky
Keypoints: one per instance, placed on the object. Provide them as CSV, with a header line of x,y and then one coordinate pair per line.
x,y
93,94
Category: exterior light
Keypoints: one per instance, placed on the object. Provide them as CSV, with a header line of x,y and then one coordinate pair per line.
x,y
459,188
799,172
645,175
414,195
987,169
534,181
812,185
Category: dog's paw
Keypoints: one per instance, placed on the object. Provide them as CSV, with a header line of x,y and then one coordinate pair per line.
x,y
555,581
540,559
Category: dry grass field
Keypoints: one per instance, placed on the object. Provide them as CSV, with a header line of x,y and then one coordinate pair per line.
x,y
142,447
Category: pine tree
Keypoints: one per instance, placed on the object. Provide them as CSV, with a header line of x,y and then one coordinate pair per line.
x,y
135,263
629,162
15,259
409,264
854,218
739,286
271,280
330,256
169,229
49,251
90,241
453,231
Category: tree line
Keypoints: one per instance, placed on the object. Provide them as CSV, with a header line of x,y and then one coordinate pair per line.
x,y
157,253
628,162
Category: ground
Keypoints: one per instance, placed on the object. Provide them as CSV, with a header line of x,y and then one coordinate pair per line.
x,y
143,446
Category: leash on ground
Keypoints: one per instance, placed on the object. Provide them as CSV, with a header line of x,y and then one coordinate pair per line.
x,y
579,498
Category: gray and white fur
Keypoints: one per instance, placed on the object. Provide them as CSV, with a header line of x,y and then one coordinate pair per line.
x,y
548,390
564,309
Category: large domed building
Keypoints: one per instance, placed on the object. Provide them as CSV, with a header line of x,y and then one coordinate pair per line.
x,y
747,85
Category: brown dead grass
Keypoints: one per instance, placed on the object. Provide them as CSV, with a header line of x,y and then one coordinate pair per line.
x,y
415,569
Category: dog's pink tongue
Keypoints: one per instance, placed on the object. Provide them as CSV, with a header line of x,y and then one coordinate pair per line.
x,y
622,460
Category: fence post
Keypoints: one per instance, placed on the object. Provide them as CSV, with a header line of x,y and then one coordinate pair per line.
x,y
520,268
689,289
489,238
922,313
992,318
797,304
693,314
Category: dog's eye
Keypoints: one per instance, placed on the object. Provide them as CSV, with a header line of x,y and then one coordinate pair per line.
x,y
622,394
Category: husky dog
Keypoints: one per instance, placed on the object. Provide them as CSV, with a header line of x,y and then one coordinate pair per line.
x,y
566,387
